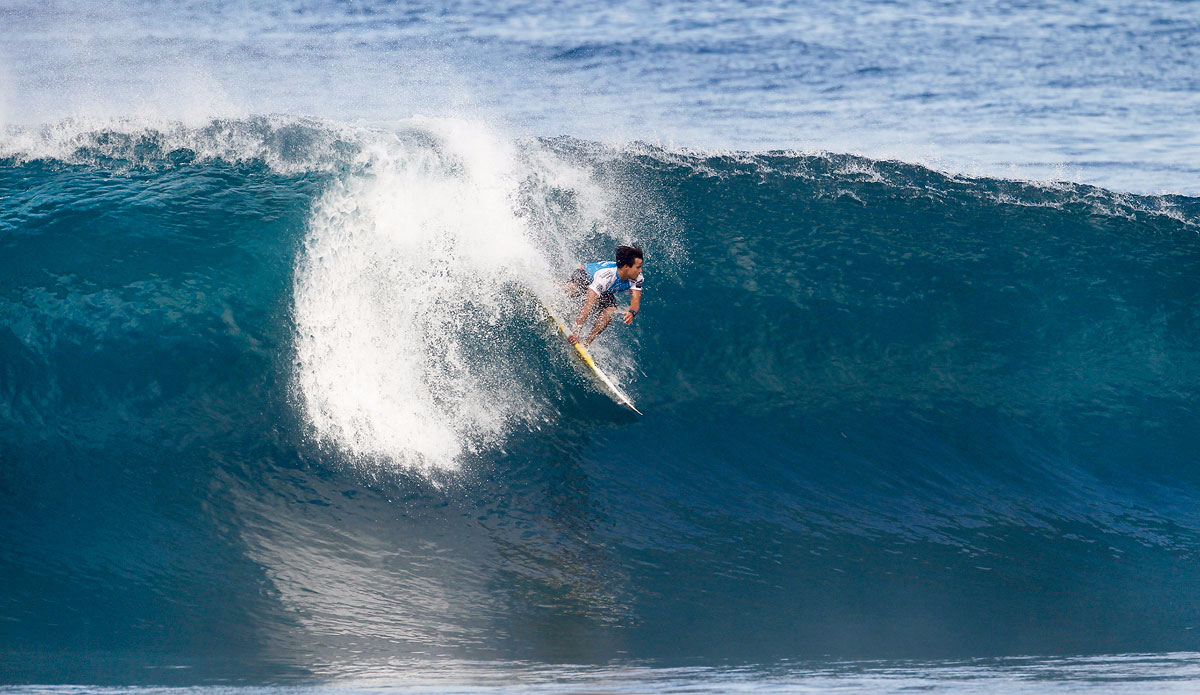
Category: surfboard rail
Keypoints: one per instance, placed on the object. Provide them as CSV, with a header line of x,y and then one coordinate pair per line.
x,y
614,391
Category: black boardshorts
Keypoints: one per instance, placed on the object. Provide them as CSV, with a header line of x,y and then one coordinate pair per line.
x,y
580,278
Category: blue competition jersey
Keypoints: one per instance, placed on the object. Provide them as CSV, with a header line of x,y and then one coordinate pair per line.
x,y
603,278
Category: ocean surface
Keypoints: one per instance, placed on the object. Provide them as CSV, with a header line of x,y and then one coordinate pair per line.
x,y
919,351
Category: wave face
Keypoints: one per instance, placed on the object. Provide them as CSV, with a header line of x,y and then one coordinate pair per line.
x,y
275,400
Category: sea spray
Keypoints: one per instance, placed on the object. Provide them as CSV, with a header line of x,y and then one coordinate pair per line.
x,y
412,275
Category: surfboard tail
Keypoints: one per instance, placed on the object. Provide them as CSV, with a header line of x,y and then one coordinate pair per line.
x,y
614,391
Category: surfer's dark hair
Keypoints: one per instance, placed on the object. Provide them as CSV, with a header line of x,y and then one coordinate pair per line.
x,y
626,254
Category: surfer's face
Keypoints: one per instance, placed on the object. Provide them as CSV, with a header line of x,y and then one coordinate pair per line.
x,y
630,272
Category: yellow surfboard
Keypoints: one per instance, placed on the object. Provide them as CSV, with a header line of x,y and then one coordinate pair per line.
x,y
611,388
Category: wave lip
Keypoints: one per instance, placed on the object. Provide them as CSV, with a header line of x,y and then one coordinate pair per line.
x,y
285,144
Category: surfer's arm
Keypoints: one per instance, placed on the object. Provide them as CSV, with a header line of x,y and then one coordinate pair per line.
x,y
583,315
635,305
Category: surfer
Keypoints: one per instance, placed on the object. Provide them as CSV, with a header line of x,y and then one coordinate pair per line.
x,y
601,281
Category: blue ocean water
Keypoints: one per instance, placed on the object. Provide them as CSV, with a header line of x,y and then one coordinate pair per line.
x,y
920,373
1096,92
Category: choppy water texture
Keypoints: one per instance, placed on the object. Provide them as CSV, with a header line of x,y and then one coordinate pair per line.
x,y
1097,92
278,406
1114,675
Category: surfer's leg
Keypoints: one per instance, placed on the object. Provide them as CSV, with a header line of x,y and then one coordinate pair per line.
x,y
602,321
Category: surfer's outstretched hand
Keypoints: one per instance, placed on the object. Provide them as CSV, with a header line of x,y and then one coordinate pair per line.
x,y
628,318
573,339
